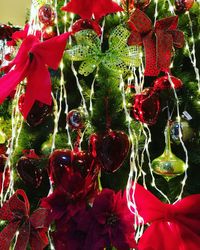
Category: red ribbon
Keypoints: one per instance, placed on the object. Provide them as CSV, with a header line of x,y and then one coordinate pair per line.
x,y
32,61
172,226
158,41
32,229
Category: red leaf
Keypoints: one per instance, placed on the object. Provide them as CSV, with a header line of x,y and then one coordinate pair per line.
x,y
91,8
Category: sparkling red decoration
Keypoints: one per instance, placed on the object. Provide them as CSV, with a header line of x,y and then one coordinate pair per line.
x,y
92,8
183,5
67,162
30,229
38,112
46,14
29,171
76,119
163,83
158,41
110,149
146,106
83,24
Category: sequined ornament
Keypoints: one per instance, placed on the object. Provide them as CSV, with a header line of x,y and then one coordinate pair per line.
x,y
118,58
76,119
168,165
38,112
182,127
46,14
110,149
146,106
183,5
83,24
163,82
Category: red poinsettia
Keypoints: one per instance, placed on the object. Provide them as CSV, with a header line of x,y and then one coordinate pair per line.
x,y
91,8
109,223
70,236
70,196
31,228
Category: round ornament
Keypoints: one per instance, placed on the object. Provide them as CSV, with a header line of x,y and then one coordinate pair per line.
x,y
83,24
163,83
38,112
168,165
183,5
76,119
110,149
46,14
183,126
65,161
146,106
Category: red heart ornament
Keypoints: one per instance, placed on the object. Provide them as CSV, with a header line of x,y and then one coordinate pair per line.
x,y
65,160
110,149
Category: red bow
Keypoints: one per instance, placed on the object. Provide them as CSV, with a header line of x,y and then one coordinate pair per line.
x,y
88,8
158,41
174,227
32,229
31,61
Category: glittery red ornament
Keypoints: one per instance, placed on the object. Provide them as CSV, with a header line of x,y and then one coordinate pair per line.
x,y
110,149
146,106
163,83
83,24
38,112
5,175
63,161
76,119
46,14
183,5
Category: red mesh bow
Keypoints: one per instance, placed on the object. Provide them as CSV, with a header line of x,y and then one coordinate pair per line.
x,y
32,62
158,41
32,229
174,227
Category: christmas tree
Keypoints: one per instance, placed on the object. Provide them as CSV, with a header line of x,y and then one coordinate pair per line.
x,y
99,135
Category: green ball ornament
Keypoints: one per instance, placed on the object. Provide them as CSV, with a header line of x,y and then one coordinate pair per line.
x,y
168,165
